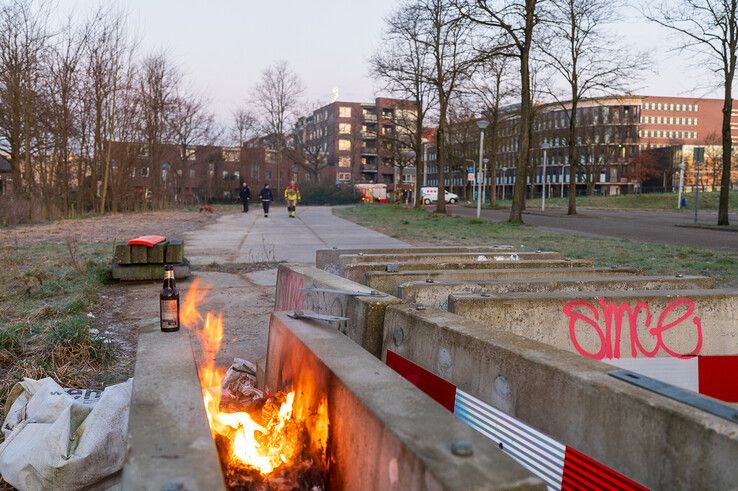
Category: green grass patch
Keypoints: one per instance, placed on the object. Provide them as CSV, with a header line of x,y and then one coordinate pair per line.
x,y
46,291
649,201
422,227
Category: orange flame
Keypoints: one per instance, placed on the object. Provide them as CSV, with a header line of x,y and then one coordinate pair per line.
x,y
252,444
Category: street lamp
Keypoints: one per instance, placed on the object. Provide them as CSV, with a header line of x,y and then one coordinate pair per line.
x,y
481,124
485,162
682,166
545,147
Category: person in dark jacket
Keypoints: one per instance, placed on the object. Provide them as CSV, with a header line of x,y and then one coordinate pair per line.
x,y
245,196
266,197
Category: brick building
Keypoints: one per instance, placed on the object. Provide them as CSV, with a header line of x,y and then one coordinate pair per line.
x,y
5,179
615,136
354,142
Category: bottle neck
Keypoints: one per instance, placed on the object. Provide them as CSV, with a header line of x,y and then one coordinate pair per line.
x,y
169,279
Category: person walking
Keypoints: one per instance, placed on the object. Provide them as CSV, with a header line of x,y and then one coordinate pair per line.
x,y
292,195
245,196
266,197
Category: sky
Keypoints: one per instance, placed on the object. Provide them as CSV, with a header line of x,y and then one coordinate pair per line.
x,y
223,45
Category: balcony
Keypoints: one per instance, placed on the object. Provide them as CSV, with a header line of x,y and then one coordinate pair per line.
x,y
368,134
369,168
370,117
369,150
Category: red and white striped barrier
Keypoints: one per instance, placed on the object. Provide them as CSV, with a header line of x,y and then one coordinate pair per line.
x,y
558,465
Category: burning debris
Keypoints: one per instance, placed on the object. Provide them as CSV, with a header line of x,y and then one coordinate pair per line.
x,y
266,441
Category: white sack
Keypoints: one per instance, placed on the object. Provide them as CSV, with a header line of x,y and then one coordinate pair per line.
x,y
63,439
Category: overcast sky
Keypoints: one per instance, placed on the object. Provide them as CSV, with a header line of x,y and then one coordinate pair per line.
x,y
223,45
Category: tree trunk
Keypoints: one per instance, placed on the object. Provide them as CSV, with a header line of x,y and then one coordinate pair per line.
x,y
441,153
723,218
573,164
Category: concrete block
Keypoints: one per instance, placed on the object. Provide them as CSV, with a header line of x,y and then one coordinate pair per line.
x,y
139,254
443,257
148,272
122,254
390,282
366,314
614,324
436,294
155,255
175,251
170,445
327,259
658,442
383,432
357,272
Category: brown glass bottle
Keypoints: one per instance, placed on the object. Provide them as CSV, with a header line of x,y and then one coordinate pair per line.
x,y
169,302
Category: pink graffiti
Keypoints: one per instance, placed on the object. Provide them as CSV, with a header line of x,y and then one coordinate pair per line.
x,y
289,296
611,323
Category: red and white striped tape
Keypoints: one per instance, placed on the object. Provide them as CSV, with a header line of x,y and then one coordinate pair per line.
x,y
558,465
713,376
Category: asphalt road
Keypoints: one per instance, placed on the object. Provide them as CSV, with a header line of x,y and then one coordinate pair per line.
x,y
659,227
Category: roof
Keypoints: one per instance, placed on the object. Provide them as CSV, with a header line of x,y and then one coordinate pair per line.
x,y
4,164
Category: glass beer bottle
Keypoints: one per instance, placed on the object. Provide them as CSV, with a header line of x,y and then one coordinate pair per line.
x,y
169,302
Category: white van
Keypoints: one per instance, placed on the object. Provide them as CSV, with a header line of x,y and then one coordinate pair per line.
x,y
430,195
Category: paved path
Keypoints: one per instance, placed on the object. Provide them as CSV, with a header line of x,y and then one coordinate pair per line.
x,y
637,225
250,237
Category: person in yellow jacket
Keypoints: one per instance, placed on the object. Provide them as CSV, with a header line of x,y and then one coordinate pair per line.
x,y
292,195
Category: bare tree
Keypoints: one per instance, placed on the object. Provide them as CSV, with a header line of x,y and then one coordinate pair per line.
x,y
276,99
157,84
492,87
709,29
587,60
403,64
447,36
244,126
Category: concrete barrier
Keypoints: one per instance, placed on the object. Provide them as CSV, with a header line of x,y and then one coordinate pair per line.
x,y
295,291
444,257
658,442
169,440
614,324
389,282
327,259
383,432
357,272
436,293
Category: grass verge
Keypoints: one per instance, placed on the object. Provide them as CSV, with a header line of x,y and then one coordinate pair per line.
x,y
650,201
422,227
46,292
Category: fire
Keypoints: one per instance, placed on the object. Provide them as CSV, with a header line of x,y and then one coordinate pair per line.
x,y
263,446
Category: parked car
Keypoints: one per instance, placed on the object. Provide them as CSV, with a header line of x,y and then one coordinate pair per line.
x,y
430,195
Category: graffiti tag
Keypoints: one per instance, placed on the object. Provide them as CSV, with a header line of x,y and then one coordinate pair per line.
x,y
607,325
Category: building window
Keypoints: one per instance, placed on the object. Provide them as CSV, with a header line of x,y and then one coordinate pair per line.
x,y
225,174
255,171
190,153
344,144
268,175
344,112
192,172
144,172
696,108
344,128
344,176
230,155
344,161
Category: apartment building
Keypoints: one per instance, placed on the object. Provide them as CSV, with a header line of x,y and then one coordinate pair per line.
x,y
355,142
5,176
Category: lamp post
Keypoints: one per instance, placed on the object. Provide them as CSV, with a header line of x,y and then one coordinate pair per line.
x,y
481,124
504,181
682,166
545,147
485,165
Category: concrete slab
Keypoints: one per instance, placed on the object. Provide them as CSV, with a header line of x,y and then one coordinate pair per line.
x,y
661,443
366,313
268,277
614,324
444,257
383,432
357,272
436,294
390,282
170,445
250,237
327,259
